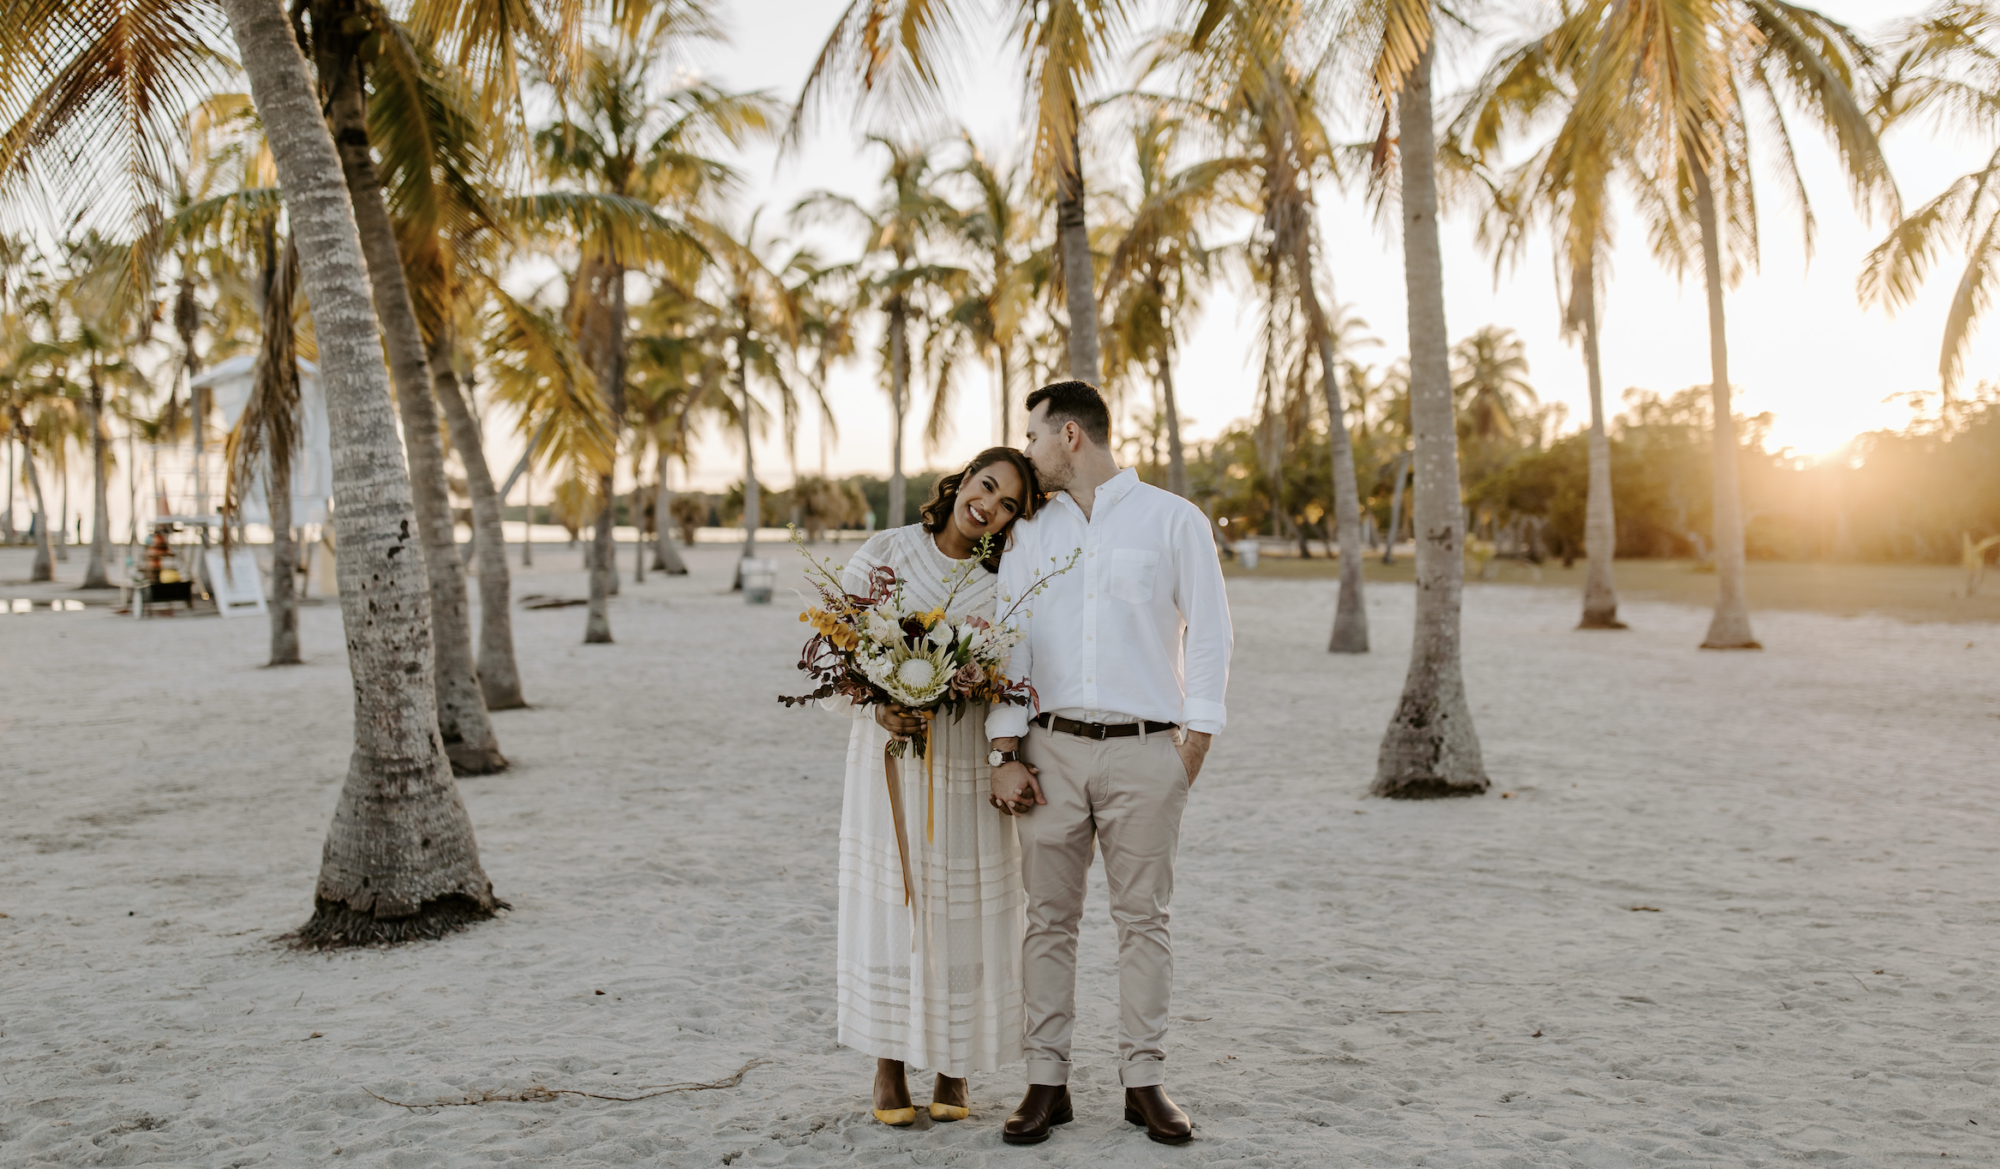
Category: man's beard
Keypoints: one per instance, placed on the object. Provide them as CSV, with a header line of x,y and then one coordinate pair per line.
x,y
1056,476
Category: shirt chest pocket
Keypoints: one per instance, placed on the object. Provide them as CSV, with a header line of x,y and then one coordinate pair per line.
x,y
1134,574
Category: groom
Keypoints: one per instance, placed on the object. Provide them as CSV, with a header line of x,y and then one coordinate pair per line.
x,y
1129,656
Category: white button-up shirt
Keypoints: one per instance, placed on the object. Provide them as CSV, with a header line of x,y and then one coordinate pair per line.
x,y
1140,626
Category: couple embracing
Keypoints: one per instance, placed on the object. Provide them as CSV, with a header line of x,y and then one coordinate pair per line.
x,y
1128,653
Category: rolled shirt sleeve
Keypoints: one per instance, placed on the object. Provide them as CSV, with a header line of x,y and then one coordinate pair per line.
x,y
1204,605
1003,720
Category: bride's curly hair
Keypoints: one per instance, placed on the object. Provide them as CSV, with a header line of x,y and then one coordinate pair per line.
x,y
944,497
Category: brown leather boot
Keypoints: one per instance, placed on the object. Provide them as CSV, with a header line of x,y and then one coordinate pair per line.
x,y
1164,1120
1044,1107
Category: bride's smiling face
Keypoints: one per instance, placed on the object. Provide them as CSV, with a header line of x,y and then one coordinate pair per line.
x,y
988,500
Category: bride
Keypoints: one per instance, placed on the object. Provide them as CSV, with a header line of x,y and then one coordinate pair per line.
x,y
938,983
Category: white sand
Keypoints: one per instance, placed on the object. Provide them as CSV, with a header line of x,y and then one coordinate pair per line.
x,y
1360,982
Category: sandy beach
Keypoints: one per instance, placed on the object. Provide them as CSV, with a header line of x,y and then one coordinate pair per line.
x,y
1732,909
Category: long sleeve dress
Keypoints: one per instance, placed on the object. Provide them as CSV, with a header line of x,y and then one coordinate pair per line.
x,y
937,984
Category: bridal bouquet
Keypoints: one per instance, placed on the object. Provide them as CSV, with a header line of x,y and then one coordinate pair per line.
x,y
873,648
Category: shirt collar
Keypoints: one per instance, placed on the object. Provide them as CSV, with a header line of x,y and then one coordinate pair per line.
x,y
1110,491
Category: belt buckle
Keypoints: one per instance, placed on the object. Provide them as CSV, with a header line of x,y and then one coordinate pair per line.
x,y
1099,731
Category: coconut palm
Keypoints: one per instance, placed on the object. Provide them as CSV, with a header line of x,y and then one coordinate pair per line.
x,y
1566,182
1160,265
1947,71
1680,83
754,323
1243,61
629,149
266,439
1489,383
911,214
1000,290
27,393
354,43
899,54
1430,748
400,861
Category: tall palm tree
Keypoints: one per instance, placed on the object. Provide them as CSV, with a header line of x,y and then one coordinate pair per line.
x,y
1000,291
400,861
266,439
352,41
26,394
754,324
911,213
1243,58
1431,748
1946,70
899,53
632,150
1158,269
1567,182
1489,382
1681,83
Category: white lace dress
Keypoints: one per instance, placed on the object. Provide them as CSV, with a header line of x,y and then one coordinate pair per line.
x,y
940,988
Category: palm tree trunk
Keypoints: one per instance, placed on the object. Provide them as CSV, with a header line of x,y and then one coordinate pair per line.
x,y
94,576
1430,748
1006,398
1395,510
400,861
899,402
1177,476
637,509
1079,277
1350,613
1730,627
61,463
753,501
528,528
45,558
284,568
1600,524
667,557
499,677
462,718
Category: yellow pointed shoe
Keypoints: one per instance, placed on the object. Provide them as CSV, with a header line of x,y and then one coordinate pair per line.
x,y
946,1113
896,1117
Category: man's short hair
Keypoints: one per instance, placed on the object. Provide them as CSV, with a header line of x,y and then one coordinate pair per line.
x,y
1078,402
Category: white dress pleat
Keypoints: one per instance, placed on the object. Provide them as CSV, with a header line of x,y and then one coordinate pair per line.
x,y
938,988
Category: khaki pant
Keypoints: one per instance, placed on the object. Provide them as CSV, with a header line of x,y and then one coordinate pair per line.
x,y
1127,794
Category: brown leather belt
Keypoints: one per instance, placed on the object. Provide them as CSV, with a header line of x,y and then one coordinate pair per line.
x,y
1083,730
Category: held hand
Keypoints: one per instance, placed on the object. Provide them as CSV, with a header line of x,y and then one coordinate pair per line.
x,y
1193,748
1016,788
898,720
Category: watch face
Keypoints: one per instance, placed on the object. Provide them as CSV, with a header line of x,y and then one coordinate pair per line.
x,y
993,758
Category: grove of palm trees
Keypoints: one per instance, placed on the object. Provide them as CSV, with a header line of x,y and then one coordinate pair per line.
x,y
1607,770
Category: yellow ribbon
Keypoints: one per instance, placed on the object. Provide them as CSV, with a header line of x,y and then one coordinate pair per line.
x,y
895,780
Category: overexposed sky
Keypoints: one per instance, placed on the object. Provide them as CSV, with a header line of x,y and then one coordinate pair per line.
x,y
1800,345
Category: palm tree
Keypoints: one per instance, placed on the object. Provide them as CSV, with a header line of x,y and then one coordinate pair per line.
x,y
633,154
26,393
911,213
1947,69
1568,182
1160,264
353,39
1489,383
1000,293
1674,82
1431,748
1241,56
754,319
899,54
400,861
266,439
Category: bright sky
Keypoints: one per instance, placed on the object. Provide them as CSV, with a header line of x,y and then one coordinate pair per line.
x,y
1800,345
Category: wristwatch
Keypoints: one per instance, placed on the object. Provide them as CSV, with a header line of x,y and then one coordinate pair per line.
x,y
996,758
